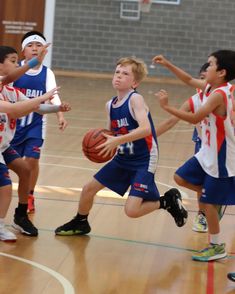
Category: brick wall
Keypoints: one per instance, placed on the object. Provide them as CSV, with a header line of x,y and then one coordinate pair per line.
x,y
90,36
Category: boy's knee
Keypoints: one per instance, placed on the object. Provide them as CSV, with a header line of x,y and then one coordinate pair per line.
x,y
131,212
23,171
87,188
179,181
32,162
26,171
90,188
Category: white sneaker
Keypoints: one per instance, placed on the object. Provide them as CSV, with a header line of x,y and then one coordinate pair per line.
x,y
6,235
200,223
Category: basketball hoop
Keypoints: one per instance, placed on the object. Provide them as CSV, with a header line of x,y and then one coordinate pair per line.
x,y
145,5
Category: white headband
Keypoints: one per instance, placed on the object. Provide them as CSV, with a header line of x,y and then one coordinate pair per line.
x,y
33,38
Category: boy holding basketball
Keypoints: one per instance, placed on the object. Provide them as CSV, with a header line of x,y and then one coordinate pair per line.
x,y
136,160
211,172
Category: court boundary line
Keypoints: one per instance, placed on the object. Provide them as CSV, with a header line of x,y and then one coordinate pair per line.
x,y
67,286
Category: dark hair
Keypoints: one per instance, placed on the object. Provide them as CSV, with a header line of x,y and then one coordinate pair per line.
x,y
4,51
225,59
204,67
31,33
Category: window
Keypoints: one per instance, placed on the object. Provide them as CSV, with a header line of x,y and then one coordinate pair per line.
x,y
166,1
131,9
157,1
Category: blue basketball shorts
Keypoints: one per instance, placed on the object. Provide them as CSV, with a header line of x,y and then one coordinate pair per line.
x,y
29,148
10,154
218,191
118,179
4,175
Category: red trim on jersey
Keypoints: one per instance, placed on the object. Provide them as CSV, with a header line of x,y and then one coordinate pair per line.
x,y
10,88
232,88
149,141
201,96
220,135
17,94
191,105
225,102
224,96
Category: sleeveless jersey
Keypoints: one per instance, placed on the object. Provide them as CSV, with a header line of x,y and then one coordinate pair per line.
x,y
4,121
195,103
217,154
11,95
142,153
32,125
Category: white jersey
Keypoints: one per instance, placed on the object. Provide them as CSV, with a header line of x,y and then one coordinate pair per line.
x,y
217,154
195,102
8,125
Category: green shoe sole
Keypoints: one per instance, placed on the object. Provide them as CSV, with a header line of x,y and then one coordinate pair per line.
x,y
71,233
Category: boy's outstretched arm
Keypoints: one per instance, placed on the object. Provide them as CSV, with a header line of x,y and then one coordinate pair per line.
x,y
179,73
169,123
214,101
14,75
49,108
23,108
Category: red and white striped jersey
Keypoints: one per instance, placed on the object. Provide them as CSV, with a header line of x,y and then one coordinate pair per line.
x,y
217,154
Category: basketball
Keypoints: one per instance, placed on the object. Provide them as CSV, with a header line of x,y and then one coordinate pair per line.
x,y
91,140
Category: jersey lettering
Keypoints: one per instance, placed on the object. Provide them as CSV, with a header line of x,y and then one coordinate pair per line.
x,y
127,147
26,120
12,123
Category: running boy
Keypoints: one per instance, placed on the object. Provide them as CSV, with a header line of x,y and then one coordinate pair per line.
x,y
8,64
30,130
136,160
211,171
191,105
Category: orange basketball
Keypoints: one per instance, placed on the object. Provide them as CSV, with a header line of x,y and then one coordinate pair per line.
x,y
91,140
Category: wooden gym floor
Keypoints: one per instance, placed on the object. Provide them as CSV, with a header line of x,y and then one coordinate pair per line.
x,y
139,256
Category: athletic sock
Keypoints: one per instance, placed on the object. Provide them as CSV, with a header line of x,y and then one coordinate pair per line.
x,y
81,217
163,202
22,209
201,212
215,238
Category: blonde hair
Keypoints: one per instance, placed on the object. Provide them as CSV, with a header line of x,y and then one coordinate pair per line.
x,y
139,68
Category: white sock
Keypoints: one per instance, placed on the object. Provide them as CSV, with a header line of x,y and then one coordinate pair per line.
x,y
215,238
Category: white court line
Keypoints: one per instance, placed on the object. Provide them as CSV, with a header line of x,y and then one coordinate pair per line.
x,y
103,192
83,158
88,128
69,166
68,288
184,194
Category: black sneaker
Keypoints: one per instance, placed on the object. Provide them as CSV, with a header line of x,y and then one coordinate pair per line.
x,y
175,206
231,276
23,224
74,227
